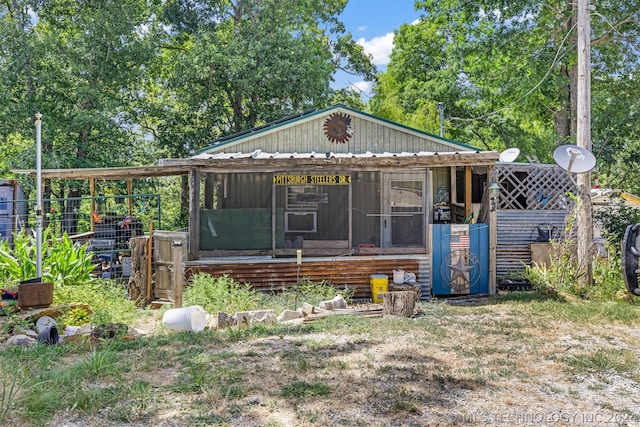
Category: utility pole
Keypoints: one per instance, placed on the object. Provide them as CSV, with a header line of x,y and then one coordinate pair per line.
x,y
583,139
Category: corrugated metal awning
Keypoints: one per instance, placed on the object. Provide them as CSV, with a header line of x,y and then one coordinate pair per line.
x,y
264,161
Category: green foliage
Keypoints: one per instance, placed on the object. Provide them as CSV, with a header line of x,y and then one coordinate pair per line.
x,y
561,277
107,298
63,262
615,220
76,316
505,73
221,293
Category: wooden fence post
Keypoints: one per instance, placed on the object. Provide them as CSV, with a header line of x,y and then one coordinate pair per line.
x,y
178,273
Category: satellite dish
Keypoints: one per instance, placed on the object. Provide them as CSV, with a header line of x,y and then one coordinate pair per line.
x,y
509,155
574,159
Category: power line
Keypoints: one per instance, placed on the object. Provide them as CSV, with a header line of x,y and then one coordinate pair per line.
x,y
530,91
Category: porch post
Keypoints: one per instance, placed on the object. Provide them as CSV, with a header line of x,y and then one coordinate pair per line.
x,y
350,210
428,211
130,193
468,207
194,214
493,237
92,191
273,219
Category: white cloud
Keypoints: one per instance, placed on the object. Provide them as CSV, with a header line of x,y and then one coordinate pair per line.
x,y
362,86
362,28
378,47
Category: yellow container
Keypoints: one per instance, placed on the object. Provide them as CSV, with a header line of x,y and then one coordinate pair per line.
x,y
379,285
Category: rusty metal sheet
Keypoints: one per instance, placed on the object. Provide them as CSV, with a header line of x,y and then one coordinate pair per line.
x,y
355,273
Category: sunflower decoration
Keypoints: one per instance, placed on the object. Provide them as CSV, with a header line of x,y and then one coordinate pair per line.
x,y
338,127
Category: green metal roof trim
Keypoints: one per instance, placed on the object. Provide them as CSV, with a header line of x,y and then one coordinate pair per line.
x,y
304,116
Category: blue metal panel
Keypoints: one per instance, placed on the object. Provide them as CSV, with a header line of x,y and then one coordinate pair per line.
x,y
477,264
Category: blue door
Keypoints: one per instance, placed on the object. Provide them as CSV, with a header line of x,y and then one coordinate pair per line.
x,y
460,259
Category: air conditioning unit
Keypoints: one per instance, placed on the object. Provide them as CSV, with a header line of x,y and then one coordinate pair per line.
x,y
300,222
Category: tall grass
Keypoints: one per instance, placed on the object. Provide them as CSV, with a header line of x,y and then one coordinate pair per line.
x,y
561,277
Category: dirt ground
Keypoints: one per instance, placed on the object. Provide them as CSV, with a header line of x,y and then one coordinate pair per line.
x,y
492,365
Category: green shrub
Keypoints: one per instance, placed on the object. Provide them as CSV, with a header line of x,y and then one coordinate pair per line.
x,y
614,221
222,293
107,298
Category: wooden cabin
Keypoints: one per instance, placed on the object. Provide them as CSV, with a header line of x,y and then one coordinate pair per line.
x,y
338,194
331,194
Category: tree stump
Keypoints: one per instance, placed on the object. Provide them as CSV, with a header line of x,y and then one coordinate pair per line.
x,y
400,303
138,279
406,287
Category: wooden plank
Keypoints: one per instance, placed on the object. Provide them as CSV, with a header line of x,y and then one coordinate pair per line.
x,y
323,244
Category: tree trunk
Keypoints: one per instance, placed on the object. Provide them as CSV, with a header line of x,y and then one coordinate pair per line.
x,y
399,303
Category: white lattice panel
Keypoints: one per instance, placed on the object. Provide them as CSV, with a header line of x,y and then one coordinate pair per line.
x,y
532,186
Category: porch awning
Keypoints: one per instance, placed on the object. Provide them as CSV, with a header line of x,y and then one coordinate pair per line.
x,y
265,162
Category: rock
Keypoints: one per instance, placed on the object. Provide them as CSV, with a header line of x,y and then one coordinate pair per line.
x,y
326,305
223,320
289,315
21,340
334,304
244,319
263,316
308,309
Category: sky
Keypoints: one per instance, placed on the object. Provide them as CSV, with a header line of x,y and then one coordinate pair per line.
x,y
371,23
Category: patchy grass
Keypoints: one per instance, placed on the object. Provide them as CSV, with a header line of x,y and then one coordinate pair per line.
x,y
442,366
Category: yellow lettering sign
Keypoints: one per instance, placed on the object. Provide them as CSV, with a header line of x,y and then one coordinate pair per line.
x,y
311,179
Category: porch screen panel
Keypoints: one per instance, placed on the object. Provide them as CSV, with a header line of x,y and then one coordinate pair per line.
x,y
366,208
407,220
245,190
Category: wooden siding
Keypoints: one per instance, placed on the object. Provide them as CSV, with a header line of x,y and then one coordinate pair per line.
x,y
517,229
355,272
368,135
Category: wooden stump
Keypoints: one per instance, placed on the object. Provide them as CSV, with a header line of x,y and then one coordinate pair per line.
x,y
400,303
406,287
138,279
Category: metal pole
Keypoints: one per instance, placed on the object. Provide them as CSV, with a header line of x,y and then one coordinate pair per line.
x,y
441,108
38,196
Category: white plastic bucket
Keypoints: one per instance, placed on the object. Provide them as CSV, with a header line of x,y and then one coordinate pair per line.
x,y
192,319
398,277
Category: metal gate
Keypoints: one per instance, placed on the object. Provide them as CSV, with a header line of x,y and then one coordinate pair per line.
x,y
460,263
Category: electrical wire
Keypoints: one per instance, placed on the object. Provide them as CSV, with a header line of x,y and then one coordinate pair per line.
x,y
536,86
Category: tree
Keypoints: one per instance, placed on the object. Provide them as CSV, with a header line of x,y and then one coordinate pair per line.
x,y
76,64
506,72
228,66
